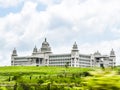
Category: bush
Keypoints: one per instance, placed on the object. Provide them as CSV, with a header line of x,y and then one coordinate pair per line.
x,y
16,77
102,81
40,81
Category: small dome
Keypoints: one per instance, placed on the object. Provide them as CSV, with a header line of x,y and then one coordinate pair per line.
x,y
35,49
112,53
14,53
97,53
75,46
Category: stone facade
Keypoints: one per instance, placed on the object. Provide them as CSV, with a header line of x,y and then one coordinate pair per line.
x,y
45,57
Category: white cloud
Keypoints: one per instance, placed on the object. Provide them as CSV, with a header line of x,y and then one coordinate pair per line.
x,y
90,17
93,15
7,3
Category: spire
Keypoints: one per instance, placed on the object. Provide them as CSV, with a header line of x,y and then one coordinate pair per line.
x,y
35,49
14,53
112,53
75,43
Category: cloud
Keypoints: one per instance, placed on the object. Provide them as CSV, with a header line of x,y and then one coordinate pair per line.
x,y
8,3
94,24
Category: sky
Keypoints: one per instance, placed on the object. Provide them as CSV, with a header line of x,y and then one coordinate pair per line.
x,y
93,24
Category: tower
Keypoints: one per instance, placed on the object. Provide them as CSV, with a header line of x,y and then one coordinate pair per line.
x,y
98,59
75,56
112,58
14,54
45,51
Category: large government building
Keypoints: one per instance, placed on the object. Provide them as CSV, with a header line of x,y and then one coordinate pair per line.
x,y
45,57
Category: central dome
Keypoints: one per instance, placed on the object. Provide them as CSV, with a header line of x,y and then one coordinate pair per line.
x,y
45,43
45,47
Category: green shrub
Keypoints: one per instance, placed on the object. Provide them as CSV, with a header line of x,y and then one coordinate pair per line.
x,y
40,81
16,77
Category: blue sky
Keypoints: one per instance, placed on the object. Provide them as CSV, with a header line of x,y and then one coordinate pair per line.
x,y
93,24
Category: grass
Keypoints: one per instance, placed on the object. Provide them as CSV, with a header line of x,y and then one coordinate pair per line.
x,y
39,70
59,78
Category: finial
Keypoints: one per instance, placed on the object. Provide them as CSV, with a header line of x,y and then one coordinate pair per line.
x,y
112,49
45,39
75,43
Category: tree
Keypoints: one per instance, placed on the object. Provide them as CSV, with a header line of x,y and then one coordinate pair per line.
x,y
67,64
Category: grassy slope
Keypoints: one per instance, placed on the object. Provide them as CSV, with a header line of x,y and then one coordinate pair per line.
x,y
27,71
100,79
39,70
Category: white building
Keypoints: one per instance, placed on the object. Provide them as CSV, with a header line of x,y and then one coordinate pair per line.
x,y
45,57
